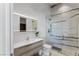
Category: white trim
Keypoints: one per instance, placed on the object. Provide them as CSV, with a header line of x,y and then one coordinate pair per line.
x,y
5,29
11,27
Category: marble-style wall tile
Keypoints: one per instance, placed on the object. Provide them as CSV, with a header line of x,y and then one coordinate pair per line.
x,y
66,24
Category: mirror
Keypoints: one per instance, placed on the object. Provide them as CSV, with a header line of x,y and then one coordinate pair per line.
x,y
34,24
22,24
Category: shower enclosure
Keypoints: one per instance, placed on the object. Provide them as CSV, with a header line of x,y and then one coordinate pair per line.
x,y
63,33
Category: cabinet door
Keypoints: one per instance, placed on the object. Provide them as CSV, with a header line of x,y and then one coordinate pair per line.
x,y
16,22
29,24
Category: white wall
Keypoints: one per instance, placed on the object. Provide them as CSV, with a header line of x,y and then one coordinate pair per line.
x,y
37,11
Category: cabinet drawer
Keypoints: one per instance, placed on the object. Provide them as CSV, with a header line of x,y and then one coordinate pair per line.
x,y
32,52
23,49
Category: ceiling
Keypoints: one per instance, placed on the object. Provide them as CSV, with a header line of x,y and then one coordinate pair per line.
x,y
38,7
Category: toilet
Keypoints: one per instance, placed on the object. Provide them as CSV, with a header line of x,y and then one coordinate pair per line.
x,y
46,50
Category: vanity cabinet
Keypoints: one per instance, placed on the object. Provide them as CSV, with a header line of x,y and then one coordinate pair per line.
x,y
28,50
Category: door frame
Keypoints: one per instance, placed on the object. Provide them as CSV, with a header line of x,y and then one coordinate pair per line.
x,y
11,32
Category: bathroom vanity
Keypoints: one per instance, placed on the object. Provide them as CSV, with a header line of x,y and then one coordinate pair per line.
x,y
28,48
23,28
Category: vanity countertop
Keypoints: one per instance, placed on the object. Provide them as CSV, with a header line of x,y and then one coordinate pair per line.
x,y
30,41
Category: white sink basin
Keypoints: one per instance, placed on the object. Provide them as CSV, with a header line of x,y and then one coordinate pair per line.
x,y
30,41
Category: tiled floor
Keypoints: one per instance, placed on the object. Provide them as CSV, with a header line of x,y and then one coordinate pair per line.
x,y
52,53
49,51
56,53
